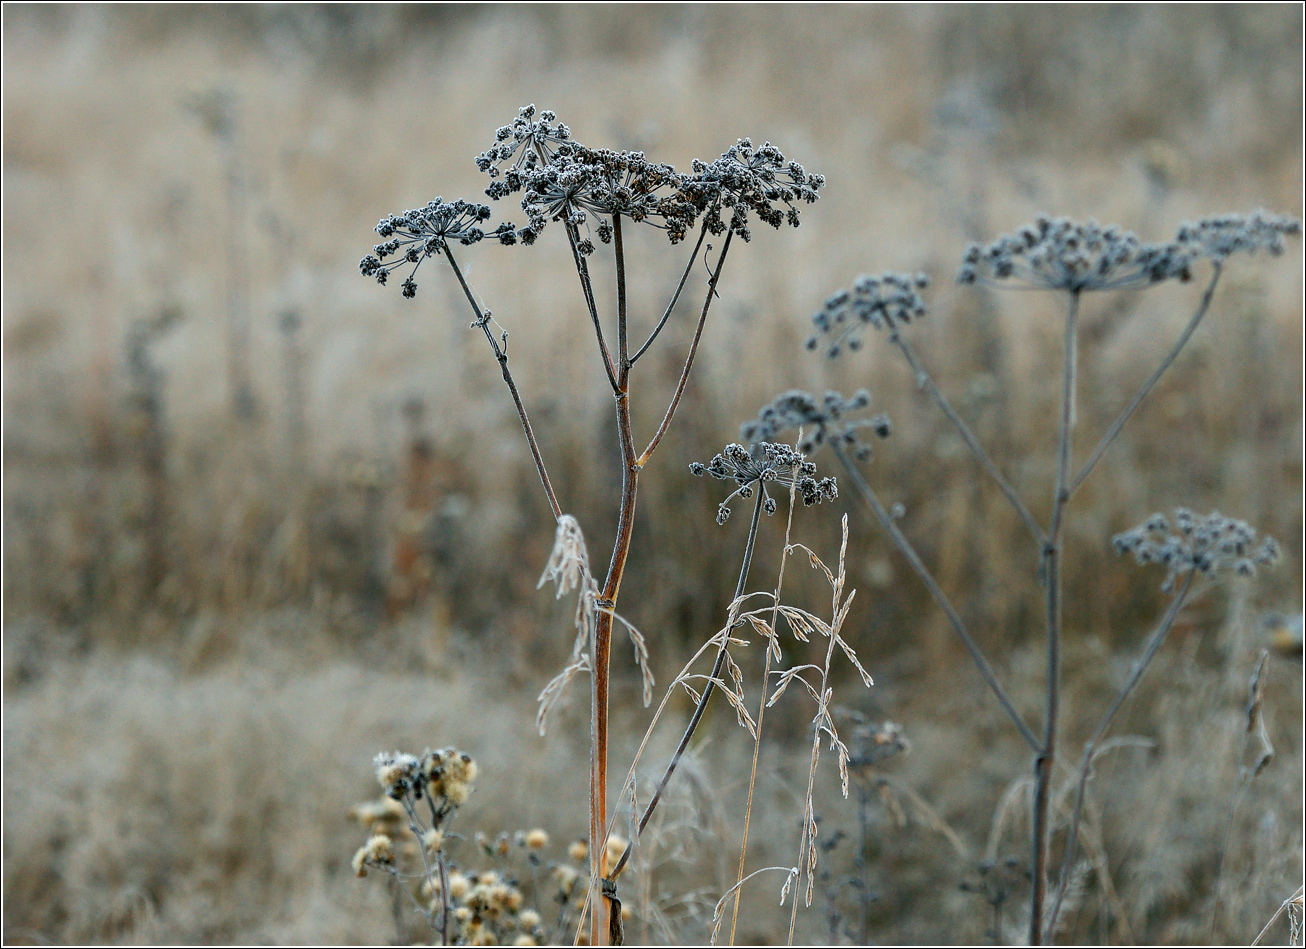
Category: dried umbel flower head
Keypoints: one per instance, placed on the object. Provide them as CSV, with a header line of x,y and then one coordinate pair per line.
x,y
881,302
1217,238
1203,543
746,178
578,181
415,235
822,420
767,463
1061,254
529,141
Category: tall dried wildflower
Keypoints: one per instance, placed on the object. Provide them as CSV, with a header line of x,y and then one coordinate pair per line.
x,y
1069,258
594,192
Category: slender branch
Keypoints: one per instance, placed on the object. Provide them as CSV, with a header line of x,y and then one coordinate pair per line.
x,y
619,252
689,360
603,645
483,321
1052,551
1147,387
675,297
587,288
1154,643
924,381
940,598
701,707
761,713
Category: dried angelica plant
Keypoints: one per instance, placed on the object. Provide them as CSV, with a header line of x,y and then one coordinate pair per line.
x,y
1070,259
598,193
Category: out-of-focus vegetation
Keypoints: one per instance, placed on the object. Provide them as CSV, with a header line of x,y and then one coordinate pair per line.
x,y
262,519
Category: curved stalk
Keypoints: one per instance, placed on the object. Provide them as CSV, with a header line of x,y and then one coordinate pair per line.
x,y
702,232
483,321
703,699
1154,643
689,359
940,598
924,381
1147,386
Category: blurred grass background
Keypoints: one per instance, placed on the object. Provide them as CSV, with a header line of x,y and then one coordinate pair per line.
x,y
263,519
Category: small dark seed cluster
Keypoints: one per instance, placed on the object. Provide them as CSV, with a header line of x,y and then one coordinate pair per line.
x,y
415,235
1061,254
1207,544
822,420
746,178
1217,238
767,463
882,302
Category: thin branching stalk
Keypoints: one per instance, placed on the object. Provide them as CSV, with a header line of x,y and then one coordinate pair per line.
x,y
1119,423
675,297
693,349
608,602
1154,643
925,382
1051,567
587,289
761,713
483,321
706,695
940,598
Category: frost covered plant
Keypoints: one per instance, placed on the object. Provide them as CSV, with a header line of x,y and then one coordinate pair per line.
x,y
1192,548
594,194
1070,259
765,464
410,838
1205,544
822,420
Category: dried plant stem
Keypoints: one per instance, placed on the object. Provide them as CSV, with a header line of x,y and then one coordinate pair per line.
x,y
925,382
761,713
1154,643
483,321
1284,907
1051,568
675,297
693,349
940,598
703,699
602,654
587,290
1119,423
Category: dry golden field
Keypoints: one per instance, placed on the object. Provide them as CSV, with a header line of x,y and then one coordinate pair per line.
x,y
264,519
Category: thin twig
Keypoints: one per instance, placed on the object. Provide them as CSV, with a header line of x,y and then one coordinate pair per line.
x,y
761,712
675,297
689,359
1154,643
1147,387
483,321
925,382
703,699
940,598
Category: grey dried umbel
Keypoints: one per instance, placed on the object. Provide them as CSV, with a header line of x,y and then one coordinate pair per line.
x,y
824,420
1201,543
881,302
420,233
1061,254
766,463
747,178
